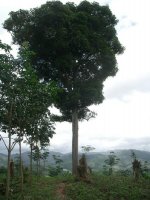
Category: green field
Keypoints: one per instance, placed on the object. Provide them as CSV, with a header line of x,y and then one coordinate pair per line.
x,y
98,187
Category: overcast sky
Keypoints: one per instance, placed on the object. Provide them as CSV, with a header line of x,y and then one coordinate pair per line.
x,y
123,119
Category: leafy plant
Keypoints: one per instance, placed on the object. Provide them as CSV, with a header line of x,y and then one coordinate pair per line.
x,y
57,169
111,161
87,148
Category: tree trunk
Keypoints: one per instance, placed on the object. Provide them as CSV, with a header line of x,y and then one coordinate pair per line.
x,y
74,142
31,147
21,167
37,167
9,153
44,166
8,168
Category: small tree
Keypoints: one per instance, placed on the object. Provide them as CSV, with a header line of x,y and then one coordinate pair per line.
x,y
36,157
87,148
111,161
54,171
24,102
136,166
145,169
133,155
33,100
45,155
8,78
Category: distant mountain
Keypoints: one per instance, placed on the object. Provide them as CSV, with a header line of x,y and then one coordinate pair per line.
x,y
94,159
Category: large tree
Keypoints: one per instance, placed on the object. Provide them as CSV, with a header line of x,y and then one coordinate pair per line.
x,y
76,46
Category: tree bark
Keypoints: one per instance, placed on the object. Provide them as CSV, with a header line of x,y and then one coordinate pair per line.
x,y
44,167
21,167
8,167
74,141
9,153
37,167
31,150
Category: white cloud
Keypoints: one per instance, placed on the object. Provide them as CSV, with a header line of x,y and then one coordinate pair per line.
x,y
126,88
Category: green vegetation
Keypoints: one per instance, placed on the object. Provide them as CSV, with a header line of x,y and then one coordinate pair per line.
x,y
95,160
109,187
61,185
67,187
24,106
76,48
57,169
110,162
64,65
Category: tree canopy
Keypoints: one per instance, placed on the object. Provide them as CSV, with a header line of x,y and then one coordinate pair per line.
x,y
75,46
21,90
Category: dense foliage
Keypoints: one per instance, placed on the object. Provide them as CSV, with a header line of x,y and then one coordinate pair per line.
x,y
24,102
76,48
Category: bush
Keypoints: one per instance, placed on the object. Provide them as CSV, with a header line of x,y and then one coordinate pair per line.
x,y
55,171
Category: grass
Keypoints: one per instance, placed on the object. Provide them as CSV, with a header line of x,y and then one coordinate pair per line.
x,y
109,188
98,188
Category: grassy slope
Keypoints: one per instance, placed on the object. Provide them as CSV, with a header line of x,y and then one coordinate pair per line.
x,y
100,188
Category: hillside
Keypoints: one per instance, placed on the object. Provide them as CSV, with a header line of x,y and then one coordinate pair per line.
x,y
65,186
98,187
95,159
